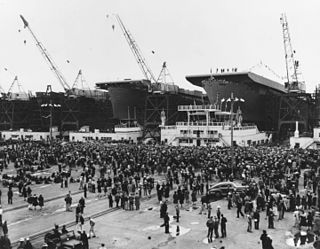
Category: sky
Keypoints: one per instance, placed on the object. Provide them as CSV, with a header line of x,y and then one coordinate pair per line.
x,y
192,36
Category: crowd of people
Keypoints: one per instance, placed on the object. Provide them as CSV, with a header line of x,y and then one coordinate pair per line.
x,y
124,173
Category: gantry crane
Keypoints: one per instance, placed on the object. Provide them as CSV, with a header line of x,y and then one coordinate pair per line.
x,y
48,58
136,52
292,65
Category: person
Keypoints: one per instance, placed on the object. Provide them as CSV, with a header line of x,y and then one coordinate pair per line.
x,y
68,201
35,202
131,202
10,194
5,242
166,222
249,229
117,199
177,212
81,220
84,240
209,210
0,196
41,201
56,232
5,228
256,218
210,225
110,200
223,224
1,213
163,209
85,189
270,220
239,206
78,212
82,204
91,231
229,200
28,244
21,244
216,227
64,229
266,240
218,212
137,201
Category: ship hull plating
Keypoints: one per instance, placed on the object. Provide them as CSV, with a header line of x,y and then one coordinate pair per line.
x,y
261,96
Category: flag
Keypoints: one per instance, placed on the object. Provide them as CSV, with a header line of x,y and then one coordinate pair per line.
x,y
236,99
223,100
228,100
241,100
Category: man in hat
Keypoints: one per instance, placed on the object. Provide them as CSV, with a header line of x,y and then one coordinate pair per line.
x,y
216,227
223,225
210,225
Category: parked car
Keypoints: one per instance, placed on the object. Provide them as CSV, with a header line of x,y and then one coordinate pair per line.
x,y
222,189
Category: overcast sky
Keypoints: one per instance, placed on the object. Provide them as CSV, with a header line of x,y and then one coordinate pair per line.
x,y
192,36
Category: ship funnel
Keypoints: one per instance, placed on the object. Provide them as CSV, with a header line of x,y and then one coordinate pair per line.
x,y
26,24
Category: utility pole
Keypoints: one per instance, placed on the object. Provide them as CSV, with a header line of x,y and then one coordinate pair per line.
x,y
50,126
232,147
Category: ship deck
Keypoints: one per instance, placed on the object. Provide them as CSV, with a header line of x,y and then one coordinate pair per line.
x,y
238,77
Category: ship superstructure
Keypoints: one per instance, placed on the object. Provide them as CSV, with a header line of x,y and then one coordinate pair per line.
x,y
208,125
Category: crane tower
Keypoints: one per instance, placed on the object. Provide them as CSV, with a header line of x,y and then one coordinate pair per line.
x,y
292,65
136,52
48,58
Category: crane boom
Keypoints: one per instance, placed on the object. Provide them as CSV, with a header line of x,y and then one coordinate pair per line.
x,y
136,52
292,65
48,58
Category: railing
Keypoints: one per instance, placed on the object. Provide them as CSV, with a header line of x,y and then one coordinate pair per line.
x,y
169,127
191,135
196,107
203,123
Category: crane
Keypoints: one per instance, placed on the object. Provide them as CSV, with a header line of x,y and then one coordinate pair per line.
x,y
292,65
80,79
165,75
48,58
136,52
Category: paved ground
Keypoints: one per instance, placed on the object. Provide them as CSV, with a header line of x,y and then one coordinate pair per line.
x,y
48,191
140,229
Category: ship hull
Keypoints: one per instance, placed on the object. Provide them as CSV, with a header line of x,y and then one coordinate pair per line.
x,y
128,103
261,102
68,113
141,101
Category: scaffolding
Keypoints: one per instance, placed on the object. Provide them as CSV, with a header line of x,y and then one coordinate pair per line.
x,y
166,102
294,107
